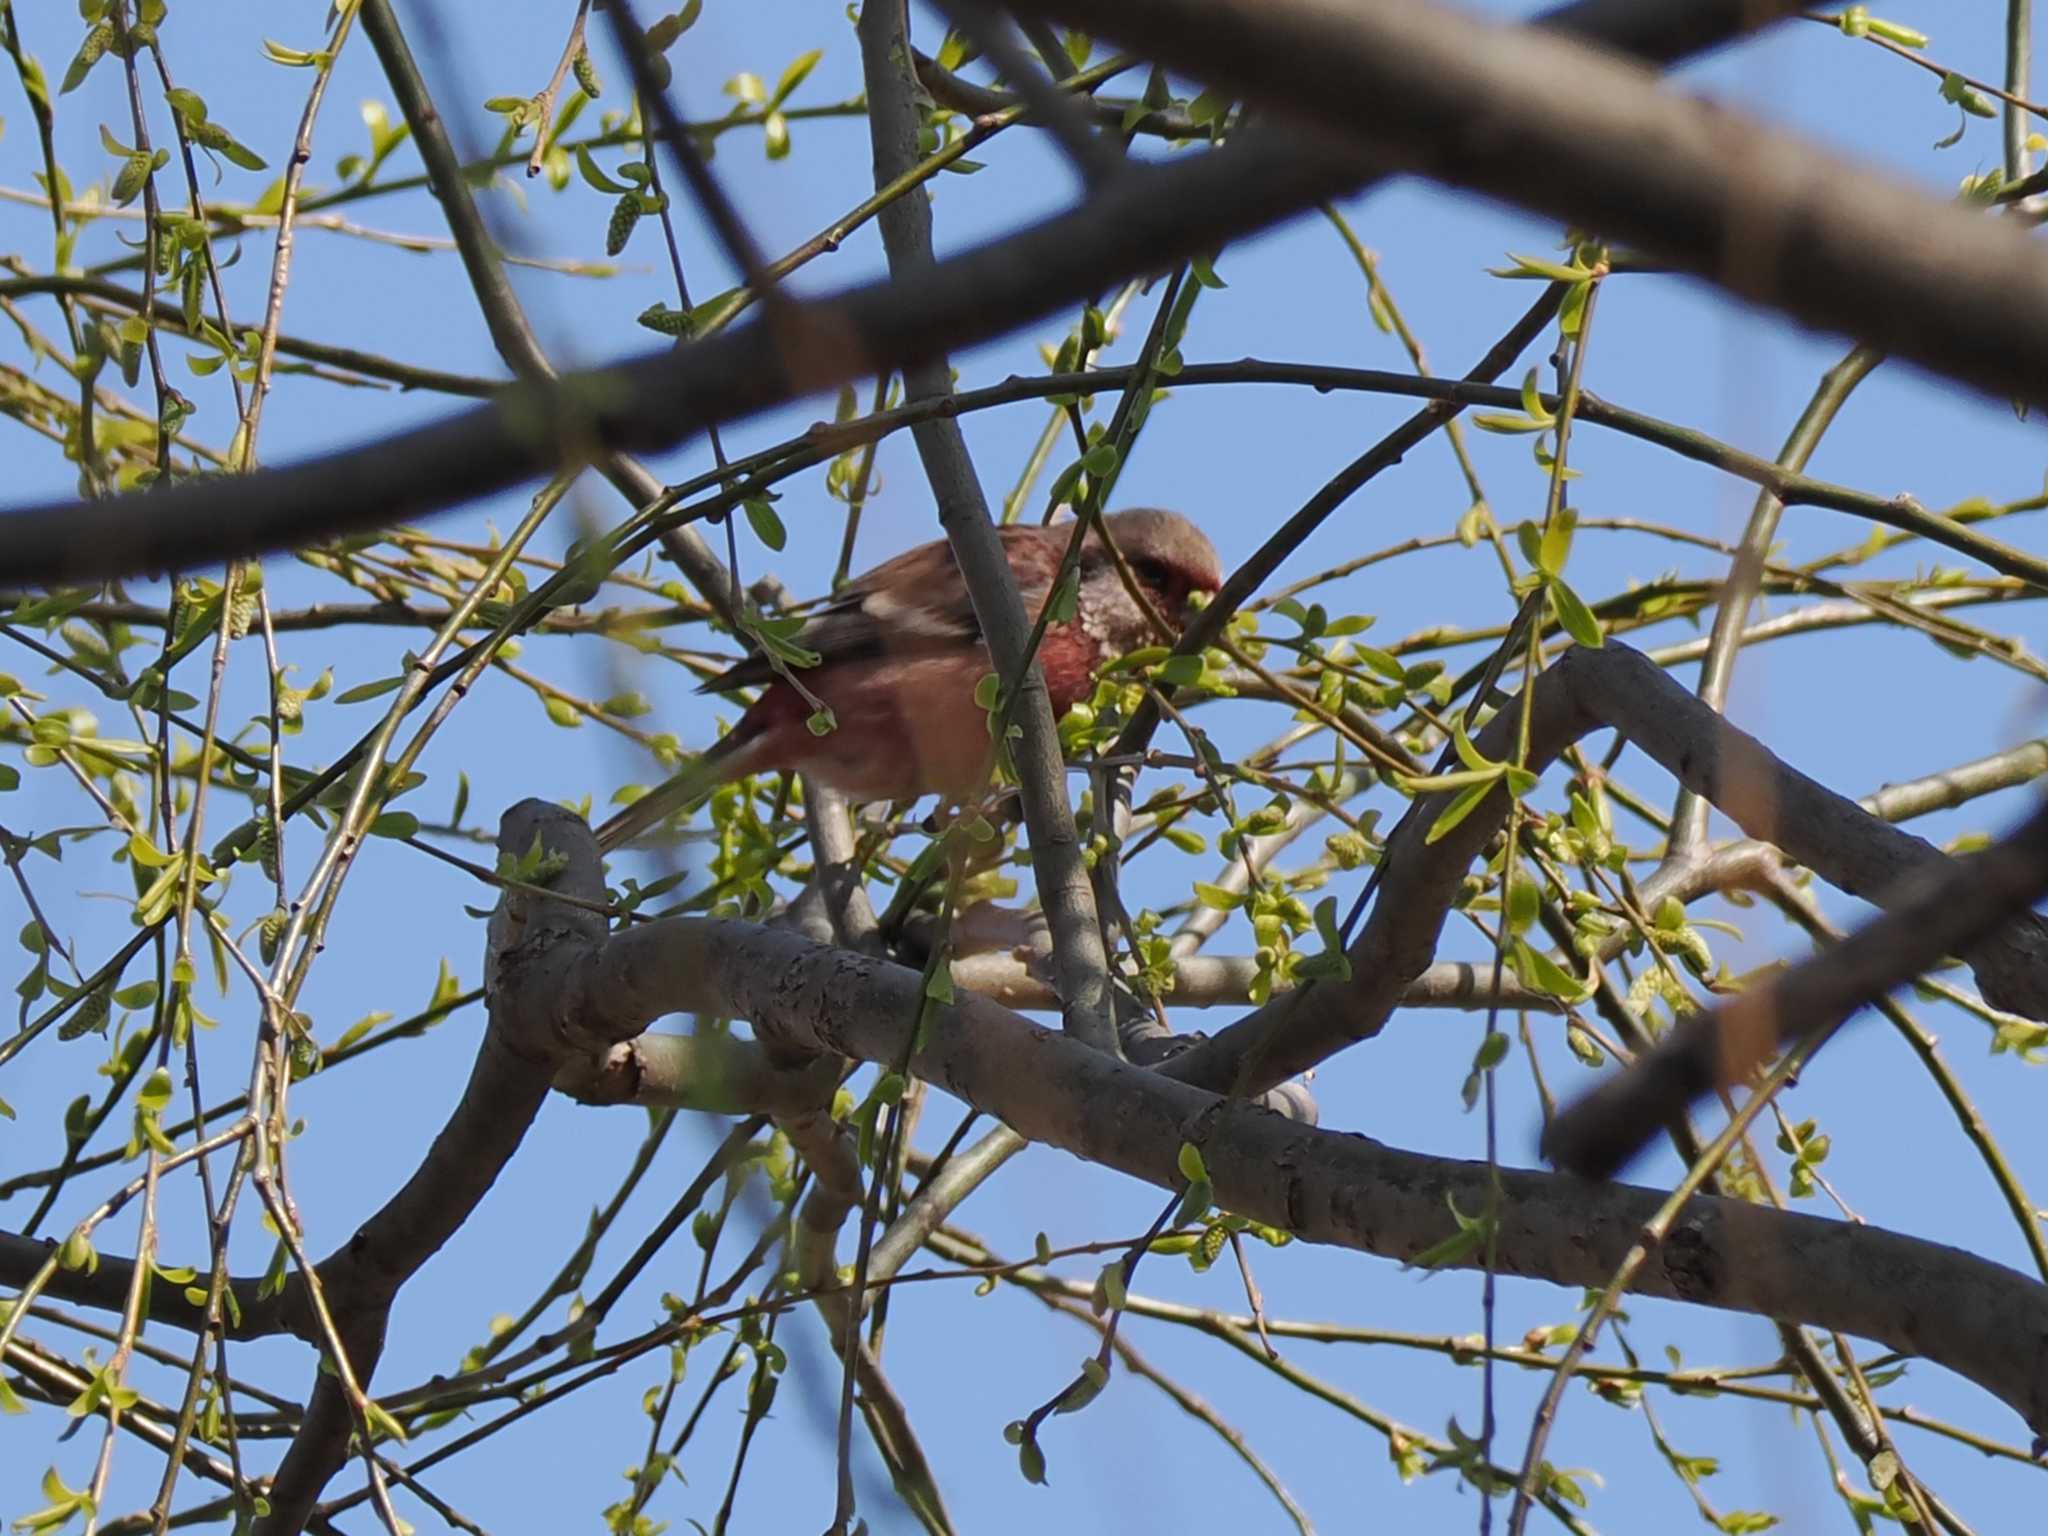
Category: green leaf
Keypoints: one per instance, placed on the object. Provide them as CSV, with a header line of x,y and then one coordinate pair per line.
x,y
1571,314
1523,901
1958,90
1462,805
77,1253
398,824
90,52
189,105
588,168
1576,619
380,1420
1540,973
1436,783
1489,421
766,524
1459,1246
1065,602
363,692
1556,545
1086,1388
1541,267
1109,1285
1031,1460
1468,754
799,69
1217,898
155,1092
147,854
1905,37
216,138
292,58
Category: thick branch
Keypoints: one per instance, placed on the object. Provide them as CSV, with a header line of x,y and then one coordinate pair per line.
x,y
1944,909
106,1287
1584,691
1149,217
535,969
1980,1319
1017,980
1552,126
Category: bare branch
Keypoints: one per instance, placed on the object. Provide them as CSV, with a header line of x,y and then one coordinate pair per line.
x,y
1523,115
1326,1187
1057,866
537,969
1582,692
1150,216
1947,909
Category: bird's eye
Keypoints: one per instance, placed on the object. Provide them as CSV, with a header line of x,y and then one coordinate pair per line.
x,y
1152,572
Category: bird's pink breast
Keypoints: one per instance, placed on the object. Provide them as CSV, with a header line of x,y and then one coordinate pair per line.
x,y
906,725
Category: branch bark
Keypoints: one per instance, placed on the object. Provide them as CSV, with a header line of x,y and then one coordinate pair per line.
x,y
1150,216
1057,867
539,1021
1584,691
561,988
1987,1322
1941,909
1527,117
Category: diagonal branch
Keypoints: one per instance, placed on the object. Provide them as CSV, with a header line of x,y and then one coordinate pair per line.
x,y
1148,217
806,998
1057,865
1093,156
1530,118
1584,691
1945,909
534,1029
495,296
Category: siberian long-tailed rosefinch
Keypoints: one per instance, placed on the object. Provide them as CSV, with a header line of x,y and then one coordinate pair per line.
x,y
899,657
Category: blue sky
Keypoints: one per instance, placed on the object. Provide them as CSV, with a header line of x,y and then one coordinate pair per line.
x,y
1854,709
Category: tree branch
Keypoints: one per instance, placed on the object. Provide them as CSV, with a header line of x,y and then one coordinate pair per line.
x,y
539,1022
1057,867
1584,691
1150,216
1947,1305
1525,116
1945,909
510,332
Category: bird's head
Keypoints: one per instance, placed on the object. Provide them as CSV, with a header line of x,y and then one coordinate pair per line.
x,y
1172,560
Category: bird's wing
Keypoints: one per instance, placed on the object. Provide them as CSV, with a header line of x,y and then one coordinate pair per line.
x,y
915,602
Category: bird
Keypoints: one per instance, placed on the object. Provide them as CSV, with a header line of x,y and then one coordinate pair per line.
x,y
900,655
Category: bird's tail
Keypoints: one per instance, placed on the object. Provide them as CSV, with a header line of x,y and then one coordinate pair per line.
x,y
696,779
